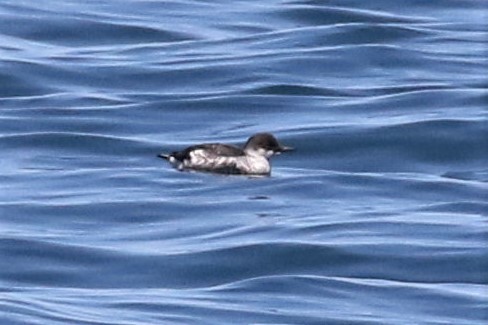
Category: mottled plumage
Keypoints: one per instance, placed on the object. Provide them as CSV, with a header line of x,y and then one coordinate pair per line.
x,y
253,159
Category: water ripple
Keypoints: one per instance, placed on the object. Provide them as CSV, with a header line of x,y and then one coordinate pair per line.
x,y
377,217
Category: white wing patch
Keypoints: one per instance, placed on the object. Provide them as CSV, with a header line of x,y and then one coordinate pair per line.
x,y
198,157
202,159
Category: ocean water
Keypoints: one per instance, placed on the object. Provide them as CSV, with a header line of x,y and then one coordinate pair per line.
x,y
378,217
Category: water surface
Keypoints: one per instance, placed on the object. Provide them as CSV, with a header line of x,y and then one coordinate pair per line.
x,y
378,217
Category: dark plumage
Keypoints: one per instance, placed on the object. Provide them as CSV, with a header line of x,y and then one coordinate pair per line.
x,y
215,148
229,159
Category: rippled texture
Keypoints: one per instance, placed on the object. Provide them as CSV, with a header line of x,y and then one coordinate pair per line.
x,y
378,217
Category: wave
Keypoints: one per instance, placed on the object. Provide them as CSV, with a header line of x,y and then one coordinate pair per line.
x,y
380,207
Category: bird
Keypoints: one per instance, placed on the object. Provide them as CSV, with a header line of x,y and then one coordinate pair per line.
x,y
252,159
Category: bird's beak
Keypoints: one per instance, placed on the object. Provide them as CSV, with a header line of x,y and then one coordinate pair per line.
x,y
285,148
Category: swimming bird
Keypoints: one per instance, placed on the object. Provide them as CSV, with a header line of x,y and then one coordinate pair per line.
x,y
252,159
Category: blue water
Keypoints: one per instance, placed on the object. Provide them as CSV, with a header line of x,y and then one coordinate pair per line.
x,y
378,217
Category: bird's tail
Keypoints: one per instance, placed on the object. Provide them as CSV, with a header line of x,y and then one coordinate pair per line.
x,y
164,156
